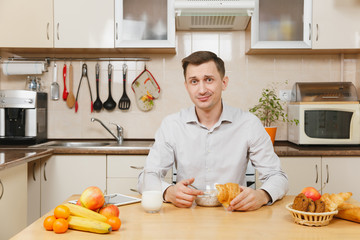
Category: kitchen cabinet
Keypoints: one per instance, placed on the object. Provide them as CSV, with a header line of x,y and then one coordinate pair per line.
x,y
26,23
281,24
327,174
123,172
34,191
61,176
144,24
335,24
302,172
83,24
13,203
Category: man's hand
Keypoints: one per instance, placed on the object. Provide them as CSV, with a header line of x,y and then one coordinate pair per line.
x,y
181,195
249,199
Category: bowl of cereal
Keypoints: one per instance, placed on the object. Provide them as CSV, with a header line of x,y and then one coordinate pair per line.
x,y
208,199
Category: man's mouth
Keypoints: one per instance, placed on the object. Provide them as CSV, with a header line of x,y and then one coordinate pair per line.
x,y
203,98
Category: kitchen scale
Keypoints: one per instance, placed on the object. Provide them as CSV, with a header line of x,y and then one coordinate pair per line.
x,y
117,199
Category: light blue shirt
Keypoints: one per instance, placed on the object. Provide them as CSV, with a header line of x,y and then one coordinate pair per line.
x,y
219,154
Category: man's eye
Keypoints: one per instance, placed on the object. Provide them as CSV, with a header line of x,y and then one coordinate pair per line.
x,y
193,81
209,79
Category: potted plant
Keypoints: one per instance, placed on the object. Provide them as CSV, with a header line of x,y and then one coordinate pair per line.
x,y
269,110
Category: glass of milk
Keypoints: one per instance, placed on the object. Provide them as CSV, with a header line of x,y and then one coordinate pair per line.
x,y
152,198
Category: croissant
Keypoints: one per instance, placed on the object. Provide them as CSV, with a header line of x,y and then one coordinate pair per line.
x,y
227,192
333,201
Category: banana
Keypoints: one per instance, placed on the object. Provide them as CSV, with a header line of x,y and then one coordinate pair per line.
x,y
88,225
80,211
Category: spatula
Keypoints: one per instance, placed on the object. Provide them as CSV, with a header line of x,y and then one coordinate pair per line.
x,y
124,103
70,100
54,88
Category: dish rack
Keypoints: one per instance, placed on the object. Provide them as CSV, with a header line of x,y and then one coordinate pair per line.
x,y
309,218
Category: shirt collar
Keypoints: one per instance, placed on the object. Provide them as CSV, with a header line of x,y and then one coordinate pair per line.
x,y
226,115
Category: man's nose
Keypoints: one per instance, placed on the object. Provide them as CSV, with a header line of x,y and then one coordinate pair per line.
x,y
202,87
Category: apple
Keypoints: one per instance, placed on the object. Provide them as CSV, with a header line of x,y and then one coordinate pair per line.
x,y
92,198
78,202
311,193
109,210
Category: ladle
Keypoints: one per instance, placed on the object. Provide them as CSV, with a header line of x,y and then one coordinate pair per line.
x,y
109,104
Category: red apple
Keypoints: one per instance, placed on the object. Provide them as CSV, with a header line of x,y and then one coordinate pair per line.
x,y
92,198
311,193
109,210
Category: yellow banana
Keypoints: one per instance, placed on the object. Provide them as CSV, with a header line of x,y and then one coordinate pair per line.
x,y
81,211
88,225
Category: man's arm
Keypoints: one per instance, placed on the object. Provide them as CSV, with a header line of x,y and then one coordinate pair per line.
x,y
180,194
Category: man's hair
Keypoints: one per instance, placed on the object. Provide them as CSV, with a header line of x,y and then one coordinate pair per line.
x,y
201,57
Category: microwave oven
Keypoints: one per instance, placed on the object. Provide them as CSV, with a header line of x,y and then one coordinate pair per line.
x,y
334,123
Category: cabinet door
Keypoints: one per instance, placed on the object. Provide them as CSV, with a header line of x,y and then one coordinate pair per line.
x,y
302,172
335,24
341,174
13,200
26,23
34,191
65,175
281,24
144,24
84,24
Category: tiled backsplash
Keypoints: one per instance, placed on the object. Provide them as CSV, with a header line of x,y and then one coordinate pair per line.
x,y
248,75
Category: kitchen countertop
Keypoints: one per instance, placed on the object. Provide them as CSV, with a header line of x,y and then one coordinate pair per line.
x,y
13,155
268,222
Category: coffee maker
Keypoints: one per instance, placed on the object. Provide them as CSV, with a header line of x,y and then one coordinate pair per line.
x,y
23,117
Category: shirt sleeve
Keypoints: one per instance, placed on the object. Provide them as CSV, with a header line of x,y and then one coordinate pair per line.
x,y
267,163
161,156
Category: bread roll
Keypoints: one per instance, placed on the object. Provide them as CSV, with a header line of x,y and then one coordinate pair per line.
x,y
349,212
334,200
227,192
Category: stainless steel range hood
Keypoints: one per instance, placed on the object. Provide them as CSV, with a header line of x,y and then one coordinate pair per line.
x,y
213,14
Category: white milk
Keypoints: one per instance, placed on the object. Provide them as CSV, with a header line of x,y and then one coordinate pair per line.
x,y
152,201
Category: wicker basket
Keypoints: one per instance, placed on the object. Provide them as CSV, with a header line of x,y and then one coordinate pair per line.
x,y
311,219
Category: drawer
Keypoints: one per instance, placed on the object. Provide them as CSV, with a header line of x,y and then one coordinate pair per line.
x,y
124,185
125,165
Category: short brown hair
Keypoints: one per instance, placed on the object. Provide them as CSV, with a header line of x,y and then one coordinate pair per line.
x,y
201,57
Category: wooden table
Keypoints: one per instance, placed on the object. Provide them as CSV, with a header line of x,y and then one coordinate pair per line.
x,y
269,222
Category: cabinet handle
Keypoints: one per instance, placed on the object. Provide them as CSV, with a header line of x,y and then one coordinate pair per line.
x,y
134,190
116,30
45,178
34,171
317,32
57,31
137,168
309,31
327,173
2,189
47,31
317,173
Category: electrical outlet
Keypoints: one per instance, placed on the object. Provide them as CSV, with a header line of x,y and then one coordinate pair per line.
x,y
285,95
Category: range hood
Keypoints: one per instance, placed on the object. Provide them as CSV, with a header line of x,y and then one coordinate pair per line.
x,y
213,14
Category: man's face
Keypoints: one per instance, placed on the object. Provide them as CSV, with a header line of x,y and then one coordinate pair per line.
x,y
205,85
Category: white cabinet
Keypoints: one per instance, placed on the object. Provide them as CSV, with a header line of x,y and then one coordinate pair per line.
x,y
123,172
328,174
26,23
144,24
34,191
302,172
341,174
65,175
13,203
84,24
281,24
336,24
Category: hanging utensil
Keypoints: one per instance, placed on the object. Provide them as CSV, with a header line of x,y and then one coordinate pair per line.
x,y
83,75
97,104
124,103
109,104
54,88
70,101
65,92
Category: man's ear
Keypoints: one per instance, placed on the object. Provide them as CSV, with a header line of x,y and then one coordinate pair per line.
x,y
225,82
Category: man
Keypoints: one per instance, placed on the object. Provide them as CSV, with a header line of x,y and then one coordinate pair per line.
x,y
212,142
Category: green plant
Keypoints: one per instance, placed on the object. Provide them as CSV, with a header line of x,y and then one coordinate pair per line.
x,y
270,108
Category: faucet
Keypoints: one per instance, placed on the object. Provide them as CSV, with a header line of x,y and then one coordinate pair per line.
x,y
119,138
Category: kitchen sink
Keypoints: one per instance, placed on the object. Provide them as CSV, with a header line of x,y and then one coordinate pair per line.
x,y
97,144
